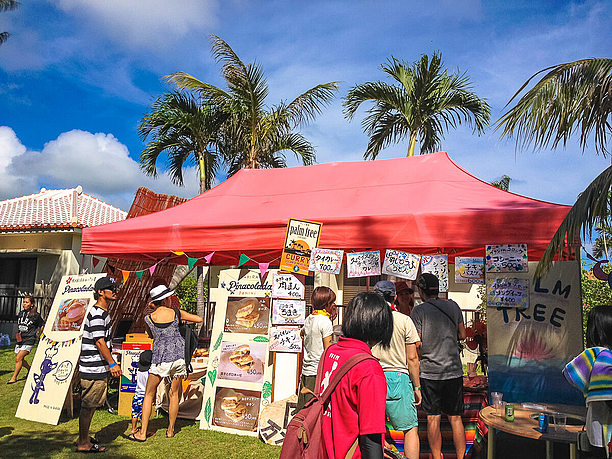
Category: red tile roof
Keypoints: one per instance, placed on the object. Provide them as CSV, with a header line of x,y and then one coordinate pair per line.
x,y
56,209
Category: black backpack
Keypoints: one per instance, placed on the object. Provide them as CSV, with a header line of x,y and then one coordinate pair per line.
x,y
191,340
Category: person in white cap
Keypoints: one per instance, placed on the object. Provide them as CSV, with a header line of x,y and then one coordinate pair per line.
x,y
168,357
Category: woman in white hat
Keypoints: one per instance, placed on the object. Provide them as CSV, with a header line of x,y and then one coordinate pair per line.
x,y
168,356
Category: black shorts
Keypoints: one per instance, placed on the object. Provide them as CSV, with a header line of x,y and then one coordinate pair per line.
x,y
442,396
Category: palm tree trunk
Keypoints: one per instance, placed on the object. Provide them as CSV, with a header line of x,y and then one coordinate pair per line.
x,y
201,304
411,145
202,164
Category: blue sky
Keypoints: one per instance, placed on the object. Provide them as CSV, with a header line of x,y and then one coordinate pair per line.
x,y
77,75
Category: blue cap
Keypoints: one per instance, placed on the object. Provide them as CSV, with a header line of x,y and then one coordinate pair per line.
x,y
385,287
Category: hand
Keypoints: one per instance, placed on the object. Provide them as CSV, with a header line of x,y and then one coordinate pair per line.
x,y
116,371
417,397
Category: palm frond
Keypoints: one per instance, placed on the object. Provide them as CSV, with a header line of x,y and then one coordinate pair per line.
x,y
182,81
305,107
8,5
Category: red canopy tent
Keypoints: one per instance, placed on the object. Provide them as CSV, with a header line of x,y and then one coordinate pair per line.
x,y
424,204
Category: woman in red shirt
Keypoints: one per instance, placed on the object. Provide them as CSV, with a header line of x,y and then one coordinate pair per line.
x,y
355,417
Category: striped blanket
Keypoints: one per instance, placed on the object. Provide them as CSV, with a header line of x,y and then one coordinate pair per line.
x,y
591,372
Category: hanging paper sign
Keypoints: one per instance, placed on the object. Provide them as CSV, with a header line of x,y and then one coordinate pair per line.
x,y
285,339
302,236
287,286
506,258
469,270
401,264
251,284
247,315
242,361
508,293
288,312
438,266
363,264
326,261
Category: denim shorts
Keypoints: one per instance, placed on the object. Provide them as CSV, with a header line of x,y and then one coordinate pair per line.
x,y
400,401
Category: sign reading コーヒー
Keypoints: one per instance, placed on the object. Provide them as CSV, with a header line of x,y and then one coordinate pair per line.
x,y
302,236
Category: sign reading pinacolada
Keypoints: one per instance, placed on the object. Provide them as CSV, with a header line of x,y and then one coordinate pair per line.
x,y
438,266
506,258
363,264
469,270
401,264
326,261
302,236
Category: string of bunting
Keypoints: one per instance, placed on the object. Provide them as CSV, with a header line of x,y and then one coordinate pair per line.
x,y
64,343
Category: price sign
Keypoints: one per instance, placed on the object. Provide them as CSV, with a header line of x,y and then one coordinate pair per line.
x,y
506,258
363,264
287,286
508,293
288,312
285,339
326,261
438,266
401,264
469,270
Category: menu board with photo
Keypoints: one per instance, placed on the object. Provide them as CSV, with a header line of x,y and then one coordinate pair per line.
x,y
285,339
401,264
506,258
363,264
236,408
326,261
247,315
242,361
438,266
469,270
288,312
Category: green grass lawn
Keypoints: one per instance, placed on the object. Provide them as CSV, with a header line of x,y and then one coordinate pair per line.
x,y
21,438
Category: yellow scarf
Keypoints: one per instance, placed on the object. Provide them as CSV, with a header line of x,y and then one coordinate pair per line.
x,y
322,312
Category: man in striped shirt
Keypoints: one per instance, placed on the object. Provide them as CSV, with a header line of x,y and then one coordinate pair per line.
x,y
96,362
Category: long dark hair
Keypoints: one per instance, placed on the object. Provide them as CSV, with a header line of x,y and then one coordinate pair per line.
x,y
368,318
599,327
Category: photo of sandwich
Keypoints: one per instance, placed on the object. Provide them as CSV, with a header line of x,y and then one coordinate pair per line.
x,y
241,357
247,315
71,314
236,408
241,361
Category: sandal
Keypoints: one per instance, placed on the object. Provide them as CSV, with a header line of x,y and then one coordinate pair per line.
x,y
133,438
11,382
95,448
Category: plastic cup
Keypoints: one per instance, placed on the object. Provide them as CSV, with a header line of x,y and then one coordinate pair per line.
x,y
496,400
560,421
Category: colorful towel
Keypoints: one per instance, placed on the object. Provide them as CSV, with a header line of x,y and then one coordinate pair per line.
x,y
591,372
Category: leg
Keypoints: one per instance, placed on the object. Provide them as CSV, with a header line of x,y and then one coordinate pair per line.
x,y
134,424
458,435
173,404
411,443
85,417
147,405
19,362
434,436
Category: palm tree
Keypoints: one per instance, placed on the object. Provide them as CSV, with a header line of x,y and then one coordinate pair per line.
x,y
185,129
423,102
503,183
602,242
571,97
7,5
256,136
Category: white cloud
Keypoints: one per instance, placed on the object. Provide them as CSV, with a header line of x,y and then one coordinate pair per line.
x,y
152,24
98,162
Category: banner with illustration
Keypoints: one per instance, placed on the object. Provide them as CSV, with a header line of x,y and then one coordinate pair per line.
x,y
528,348
438,266
506,258
239,374
58,351
401,264
469,270
302,236
363,264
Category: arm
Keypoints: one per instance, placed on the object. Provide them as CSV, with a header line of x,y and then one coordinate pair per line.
x,y
327,342
412,361
190,317
106,355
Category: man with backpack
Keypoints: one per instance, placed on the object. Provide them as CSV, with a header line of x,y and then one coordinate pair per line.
x,y
440,325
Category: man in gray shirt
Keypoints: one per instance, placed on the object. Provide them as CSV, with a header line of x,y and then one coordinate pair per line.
x,y
439,323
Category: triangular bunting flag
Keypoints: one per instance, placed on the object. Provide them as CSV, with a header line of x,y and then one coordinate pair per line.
x,y
263,267
139,274
243,272
95,261
191,262
126,274
208,257
152,269
243,259
179,253
111,269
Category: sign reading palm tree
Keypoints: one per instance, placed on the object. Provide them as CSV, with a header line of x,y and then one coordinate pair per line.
x,y
424,102
576,96
255,136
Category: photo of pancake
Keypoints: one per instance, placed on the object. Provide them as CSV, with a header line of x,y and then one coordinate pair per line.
x,y
236,408
247,315
242,362
70,314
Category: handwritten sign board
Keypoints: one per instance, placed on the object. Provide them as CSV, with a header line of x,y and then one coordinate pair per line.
x,y
302,236
469,270
326,261
508,293
506,258
401,264
438,266
274,419
288,312
287,286
363,264
285,339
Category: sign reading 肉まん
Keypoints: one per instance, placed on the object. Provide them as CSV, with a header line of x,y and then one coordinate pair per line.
x,y
302,236
401,264
469,270
326,261
438,266
287,286
506,258
363,264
